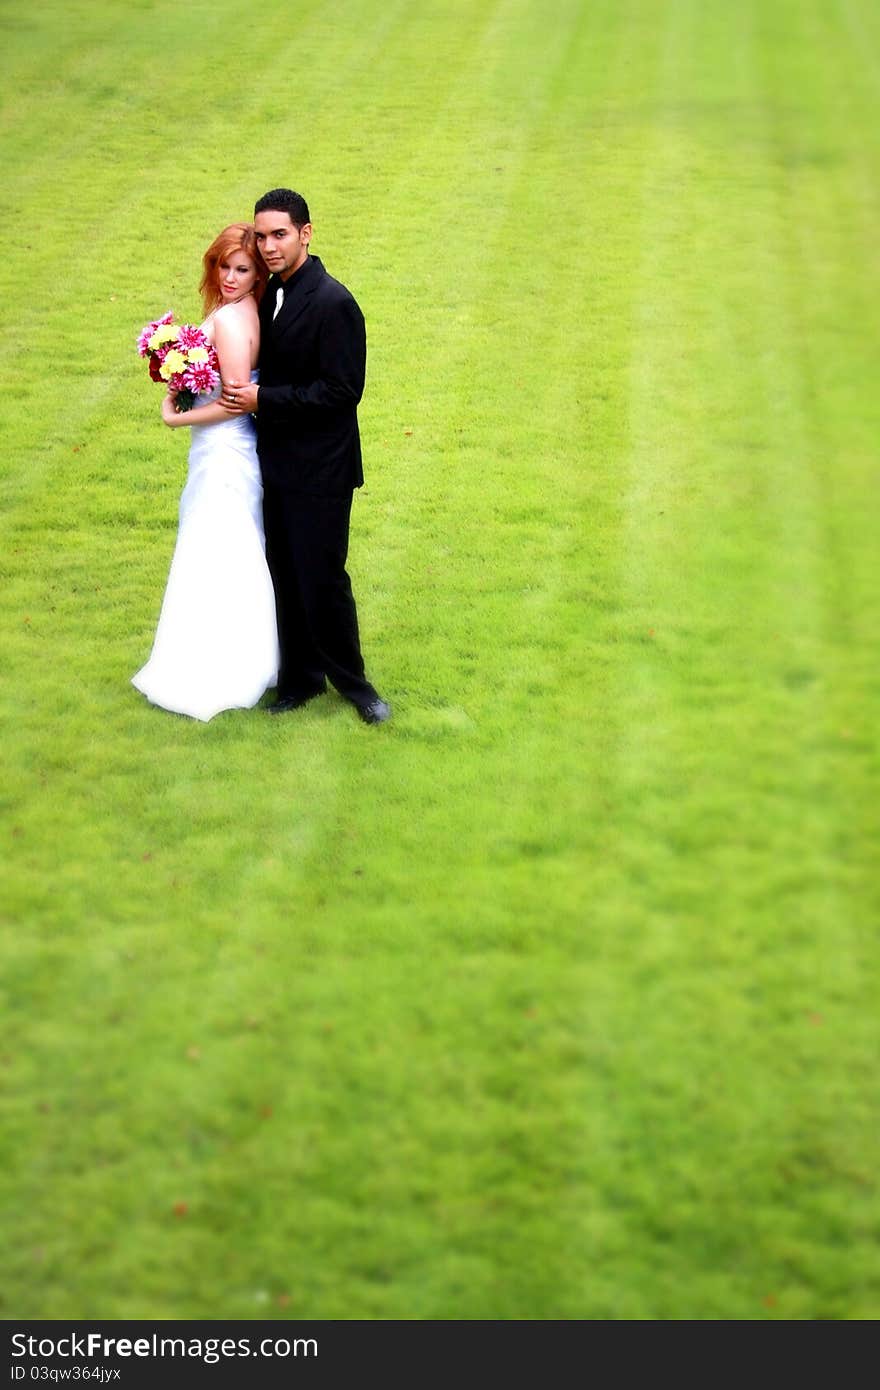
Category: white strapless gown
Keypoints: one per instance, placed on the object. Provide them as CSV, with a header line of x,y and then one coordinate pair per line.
x,y
216,645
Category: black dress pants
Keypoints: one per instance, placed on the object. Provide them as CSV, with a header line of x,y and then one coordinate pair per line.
x,y
306,550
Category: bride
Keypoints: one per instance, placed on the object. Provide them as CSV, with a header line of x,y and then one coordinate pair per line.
x,y
216,644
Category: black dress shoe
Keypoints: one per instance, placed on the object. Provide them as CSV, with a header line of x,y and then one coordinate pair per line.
x,y
288,702
376,712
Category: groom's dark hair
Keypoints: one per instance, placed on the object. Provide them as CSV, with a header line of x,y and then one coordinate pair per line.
x,y
284,200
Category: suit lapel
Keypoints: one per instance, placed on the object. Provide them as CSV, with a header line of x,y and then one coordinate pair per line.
x,y
291,311
296,304
267,306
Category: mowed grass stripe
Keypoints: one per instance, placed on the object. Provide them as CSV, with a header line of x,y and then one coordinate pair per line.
x,y
725,759
784,567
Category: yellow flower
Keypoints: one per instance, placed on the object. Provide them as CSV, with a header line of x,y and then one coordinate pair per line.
x,y
165,334
174,362
198,355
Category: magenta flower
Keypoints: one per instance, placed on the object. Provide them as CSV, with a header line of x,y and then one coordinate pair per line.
x,y
200,378
148,332
190,337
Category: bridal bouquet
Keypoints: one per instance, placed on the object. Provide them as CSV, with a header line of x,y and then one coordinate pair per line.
x,y
181,356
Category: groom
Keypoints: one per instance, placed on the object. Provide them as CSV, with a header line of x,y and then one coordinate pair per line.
x,y
312,365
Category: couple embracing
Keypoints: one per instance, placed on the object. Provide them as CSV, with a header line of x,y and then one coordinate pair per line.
x,y
258,595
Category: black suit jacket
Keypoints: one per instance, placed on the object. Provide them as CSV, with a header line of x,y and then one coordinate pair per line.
x,y
312,365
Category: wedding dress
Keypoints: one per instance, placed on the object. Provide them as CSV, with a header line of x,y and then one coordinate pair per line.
x,y
216,644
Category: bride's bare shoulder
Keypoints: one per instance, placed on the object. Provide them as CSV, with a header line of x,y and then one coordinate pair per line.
x,y
234,320
242,311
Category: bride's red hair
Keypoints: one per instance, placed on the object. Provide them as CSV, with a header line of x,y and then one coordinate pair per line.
x,y
238,237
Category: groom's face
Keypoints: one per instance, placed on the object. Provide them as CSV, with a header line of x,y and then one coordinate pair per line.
x,y
282,245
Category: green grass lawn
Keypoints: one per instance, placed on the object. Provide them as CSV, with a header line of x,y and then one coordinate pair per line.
x,y
557,997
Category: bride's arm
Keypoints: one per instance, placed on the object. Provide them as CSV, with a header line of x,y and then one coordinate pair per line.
x,y
199,415
232,339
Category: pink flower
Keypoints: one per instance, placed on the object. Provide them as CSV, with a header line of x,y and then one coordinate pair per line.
x,y
200,377
190,337
148,332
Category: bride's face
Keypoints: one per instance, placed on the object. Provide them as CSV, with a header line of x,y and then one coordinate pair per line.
x,y
236,275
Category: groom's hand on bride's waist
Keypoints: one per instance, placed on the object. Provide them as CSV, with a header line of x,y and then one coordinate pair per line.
x,y
239,397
